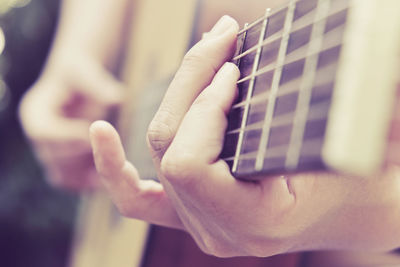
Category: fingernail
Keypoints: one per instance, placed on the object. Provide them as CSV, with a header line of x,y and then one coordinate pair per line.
x,y
229,68
225,23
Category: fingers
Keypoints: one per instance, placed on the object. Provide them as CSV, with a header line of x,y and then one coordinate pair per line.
x,y
192,158
56,114
202,130
197,71
43,121
140,199
92,95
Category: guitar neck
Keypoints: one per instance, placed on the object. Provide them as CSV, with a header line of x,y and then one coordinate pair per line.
x,y
294,66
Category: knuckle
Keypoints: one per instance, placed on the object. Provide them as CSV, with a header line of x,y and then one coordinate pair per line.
x,y
193,57
177,165
159,135
127,206
130,209
196,59
204,102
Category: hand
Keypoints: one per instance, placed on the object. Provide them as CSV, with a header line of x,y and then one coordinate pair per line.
x,y
225,216
56,114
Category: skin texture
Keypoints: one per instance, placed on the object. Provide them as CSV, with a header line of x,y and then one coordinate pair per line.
x,y
77,87
227,217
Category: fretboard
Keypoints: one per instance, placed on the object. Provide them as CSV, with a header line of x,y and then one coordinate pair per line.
x,y
288,61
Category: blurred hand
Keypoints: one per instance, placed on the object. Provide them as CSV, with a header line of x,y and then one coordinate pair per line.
x,y
225,216
56,114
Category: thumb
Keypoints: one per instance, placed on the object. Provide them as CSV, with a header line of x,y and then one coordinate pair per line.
x,y
135,198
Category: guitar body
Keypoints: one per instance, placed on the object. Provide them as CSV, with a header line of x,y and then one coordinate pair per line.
x,y
102,237
161,33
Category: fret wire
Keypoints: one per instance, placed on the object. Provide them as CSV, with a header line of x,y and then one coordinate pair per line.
x,y
274,66
252,25
317,112
275,86
291,87
273,12
266,16
304,98
279,35
250,90
260,98
280,151
241,47
234,165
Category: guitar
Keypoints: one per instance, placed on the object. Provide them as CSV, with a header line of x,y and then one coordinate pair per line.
x,y
102,237
268,41
311,73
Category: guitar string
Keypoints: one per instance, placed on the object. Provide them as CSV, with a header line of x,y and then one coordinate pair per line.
x,y
266,16
286,120
279,9
268,40
280,151
318,111
273,38
276,80
306,87
292,85
256,62
273,66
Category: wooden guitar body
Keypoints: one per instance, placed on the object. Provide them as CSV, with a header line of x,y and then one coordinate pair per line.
x,y
103,238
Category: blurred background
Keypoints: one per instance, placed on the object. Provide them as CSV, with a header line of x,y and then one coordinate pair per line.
x,y
36,222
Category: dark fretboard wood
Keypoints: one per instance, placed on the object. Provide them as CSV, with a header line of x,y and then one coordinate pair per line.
x,y
288,62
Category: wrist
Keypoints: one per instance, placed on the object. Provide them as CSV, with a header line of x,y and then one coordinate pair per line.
x,y
69,64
